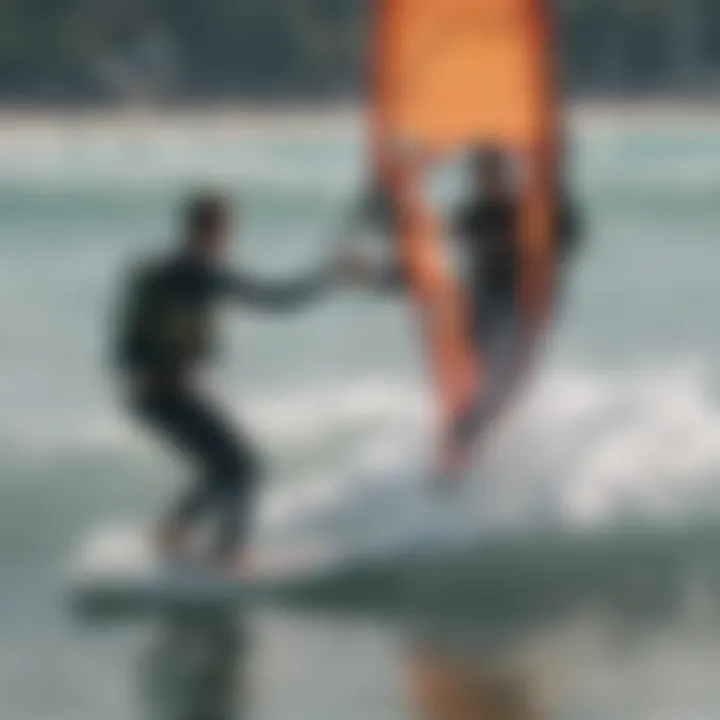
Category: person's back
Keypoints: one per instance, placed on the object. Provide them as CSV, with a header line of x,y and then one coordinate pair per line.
x,y
167,330
488,226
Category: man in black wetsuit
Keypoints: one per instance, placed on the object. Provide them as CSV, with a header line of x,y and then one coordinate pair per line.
x,y
166,336
488,227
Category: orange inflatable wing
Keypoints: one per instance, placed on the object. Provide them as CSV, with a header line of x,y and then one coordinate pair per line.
x,y
449,75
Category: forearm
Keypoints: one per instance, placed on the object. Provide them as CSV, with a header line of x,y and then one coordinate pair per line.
x,y
279,296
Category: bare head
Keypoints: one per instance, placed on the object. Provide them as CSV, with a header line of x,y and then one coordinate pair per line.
x,y
208,220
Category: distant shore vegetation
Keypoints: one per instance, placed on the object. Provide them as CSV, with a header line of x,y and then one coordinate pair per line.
x,y
75,51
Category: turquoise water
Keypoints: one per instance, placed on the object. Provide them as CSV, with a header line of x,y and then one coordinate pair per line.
x,y
621,421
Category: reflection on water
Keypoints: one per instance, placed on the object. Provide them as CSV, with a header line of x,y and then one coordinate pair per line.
x,y
428,665
196,669
448,686
536,629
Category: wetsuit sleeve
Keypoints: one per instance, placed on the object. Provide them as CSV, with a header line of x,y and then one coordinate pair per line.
x,y
274,295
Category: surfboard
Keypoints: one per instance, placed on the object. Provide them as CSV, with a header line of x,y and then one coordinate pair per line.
x,y
117,572
117,575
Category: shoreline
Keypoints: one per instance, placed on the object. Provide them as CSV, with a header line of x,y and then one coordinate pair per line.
x,y
242,119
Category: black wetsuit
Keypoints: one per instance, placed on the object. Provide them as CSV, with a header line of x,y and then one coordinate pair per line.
x,y
166,335
490,231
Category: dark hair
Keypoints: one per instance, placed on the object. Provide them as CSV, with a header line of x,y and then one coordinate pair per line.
x,y
204,212
488,159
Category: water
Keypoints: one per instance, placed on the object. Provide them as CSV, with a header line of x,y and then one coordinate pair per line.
x,y
621,423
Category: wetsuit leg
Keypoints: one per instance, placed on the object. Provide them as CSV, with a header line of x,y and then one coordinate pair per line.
x,y
497,334
229,468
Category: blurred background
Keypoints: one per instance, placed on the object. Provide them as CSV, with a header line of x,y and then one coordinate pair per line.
x,y
80,52
109,112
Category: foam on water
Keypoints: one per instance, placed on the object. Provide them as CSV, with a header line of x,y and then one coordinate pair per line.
x,y
582,448
145,159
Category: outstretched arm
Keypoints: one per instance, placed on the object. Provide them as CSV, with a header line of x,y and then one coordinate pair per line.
x,y
388,278
275,295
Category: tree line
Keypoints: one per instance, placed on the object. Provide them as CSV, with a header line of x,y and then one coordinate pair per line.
x,y
187,50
